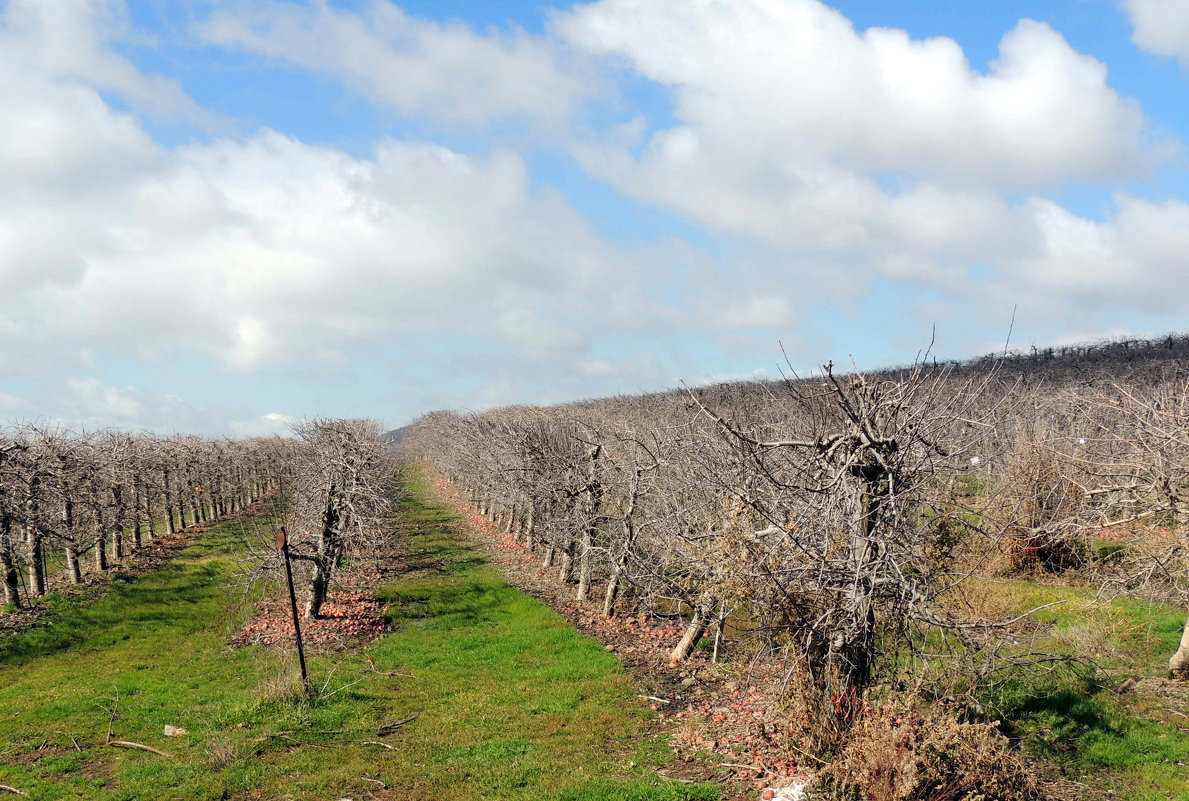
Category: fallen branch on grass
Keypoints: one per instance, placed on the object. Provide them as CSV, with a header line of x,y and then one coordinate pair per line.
x,y
377,742
13,790
388,728
140,746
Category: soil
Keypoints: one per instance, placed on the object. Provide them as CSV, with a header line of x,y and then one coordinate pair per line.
x,y
350,617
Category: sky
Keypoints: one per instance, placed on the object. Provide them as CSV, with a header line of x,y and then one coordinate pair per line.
x,y
218,217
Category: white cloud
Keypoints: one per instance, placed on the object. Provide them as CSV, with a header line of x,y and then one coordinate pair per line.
x,y
759,310
13,406
90,404
440,70
836,150
537,335
266,425
796,97
270,251
1134,258
1161,26
796,130
69,40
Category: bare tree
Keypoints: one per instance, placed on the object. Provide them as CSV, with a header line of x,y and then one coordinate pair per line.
x,y
1134,469
341,497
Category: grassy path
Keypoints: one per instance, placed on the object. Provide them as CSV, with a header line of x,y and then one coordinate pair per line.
x,y
511,702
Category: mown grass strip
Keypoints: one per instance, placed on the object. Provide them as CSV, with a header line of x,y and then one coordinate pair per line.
x,y
511,702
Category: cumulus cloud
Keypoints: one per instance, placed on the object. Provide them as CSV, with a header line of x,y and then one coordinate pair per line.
x,y
443,71
70,40
829,154
1160,26
796,130
792,86
270,250
14,406
1133,258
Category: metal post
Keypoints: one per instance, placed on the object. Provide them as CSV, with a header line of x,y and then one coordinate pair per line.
x,y
283,546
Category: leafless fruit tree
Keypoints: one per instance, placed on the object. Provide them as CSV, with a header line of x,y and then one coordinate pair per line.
x,y
341,498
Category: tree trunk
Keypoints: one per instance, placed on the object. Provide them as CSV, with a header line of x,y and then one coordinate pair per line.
x,y
170,528
585,565
566,573
530,533
318,587
73,571
1178,666
101,549
136,519
150,529
594,503
328,552
621,560
8,568
612,594
36,563
695,629
73,568
852,648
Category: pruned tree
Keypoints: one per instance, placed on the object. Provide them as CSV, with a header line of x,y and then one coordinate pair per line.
x,y
341,498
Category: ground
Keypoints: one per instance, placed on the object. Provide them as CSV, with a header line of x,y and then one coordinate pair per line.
x,y
477,691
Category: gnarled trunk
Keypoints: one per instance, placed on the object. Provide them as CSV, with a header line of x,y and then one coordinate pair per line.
x,y
696,628
319,585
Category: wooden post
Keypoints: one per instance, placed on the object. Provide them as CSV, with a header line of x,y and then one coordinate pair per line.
x,y
283,546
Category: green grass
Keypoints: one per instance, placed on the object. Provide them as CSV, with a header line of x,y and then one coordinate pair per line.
x,y
1130,742
512,702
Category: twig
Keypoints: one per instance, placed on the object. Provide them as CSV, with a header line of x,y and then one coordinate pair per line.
x,y
654,698
14,790
377,742
377,781
113,713
141,746
391,727
76,745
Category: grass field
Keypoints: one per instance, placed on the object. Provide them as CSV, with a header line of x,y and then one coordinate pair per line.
x,y
510,701
1135,743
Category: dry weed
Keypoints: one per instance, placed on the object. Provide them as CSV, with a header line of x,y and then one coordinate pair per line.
x,y
900,752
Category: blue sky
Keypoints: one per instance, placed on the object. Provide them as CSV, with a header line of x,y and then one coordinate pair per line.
x,y
221,216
